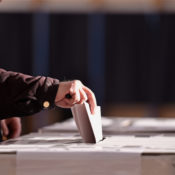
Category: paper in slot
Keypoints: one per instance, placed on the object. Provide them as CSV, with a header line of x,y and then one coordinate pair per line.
x,y
89,126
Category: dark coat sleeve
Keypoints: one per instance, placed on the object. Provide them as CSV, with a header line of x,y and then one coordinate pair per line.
x,y
22,95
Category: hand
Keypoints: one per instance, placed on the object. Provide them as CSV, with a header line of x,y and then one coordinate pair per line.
x,y
79,94
11,127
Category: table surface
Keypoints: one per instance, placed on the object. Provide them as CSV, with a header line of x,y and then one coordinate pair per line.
x,y
49,152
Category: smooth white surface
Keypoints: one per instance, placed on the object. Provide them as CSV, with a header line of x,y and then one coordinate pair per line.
x,y
85,163
114,125
67,154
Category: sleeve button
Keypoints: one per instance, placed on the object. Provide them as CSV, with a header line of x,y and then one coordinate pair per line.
x,y
46,104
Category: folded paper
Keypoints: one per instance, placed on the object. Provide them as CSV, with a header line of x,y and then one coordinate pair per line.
x,y
89,125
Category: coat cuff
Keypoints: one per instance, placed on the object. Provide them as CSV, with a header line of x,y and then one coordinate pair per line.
x,y
48,94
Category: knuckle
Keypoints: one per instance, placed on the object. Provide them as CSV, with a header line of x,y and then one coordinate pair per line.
x,y
77,82
84,98
74,81
72,84
76,99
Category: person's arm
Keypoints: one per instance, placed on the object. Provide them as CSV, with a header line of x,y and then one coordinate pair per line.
x,y
22,95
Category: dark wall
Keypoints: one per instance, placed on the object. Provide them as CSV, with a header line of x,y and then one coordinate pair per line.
x,y
140,58
139,53
68,47
15,42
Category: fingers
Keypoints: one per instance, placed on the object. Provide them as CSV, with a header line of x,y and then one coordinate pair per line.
x,y
15,127
11,127
5,130
75,97
74,92
91,99
78,92
16,133
84,94
83,97
69,87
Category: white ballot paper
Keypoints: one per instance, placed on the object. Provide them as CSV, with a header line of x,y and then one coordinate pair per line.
x,y
89,126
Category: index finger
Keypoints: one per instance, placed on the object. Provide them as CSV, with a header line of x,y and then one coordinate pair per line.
x,y
91,99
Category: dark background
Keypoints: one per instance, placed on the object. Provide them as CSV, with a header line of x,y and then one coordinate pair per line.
x,y
124,58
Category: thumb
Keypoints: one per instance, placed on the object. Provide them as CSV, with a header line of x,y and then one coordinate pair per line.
x,y
5,130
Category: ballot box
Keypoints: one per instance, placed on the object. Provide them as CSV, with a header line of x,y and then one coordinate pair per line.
x,y
65,153
117,125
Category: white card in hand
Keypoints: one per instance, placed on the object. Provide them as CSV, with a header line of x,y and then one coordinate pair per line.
x,y
89,126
